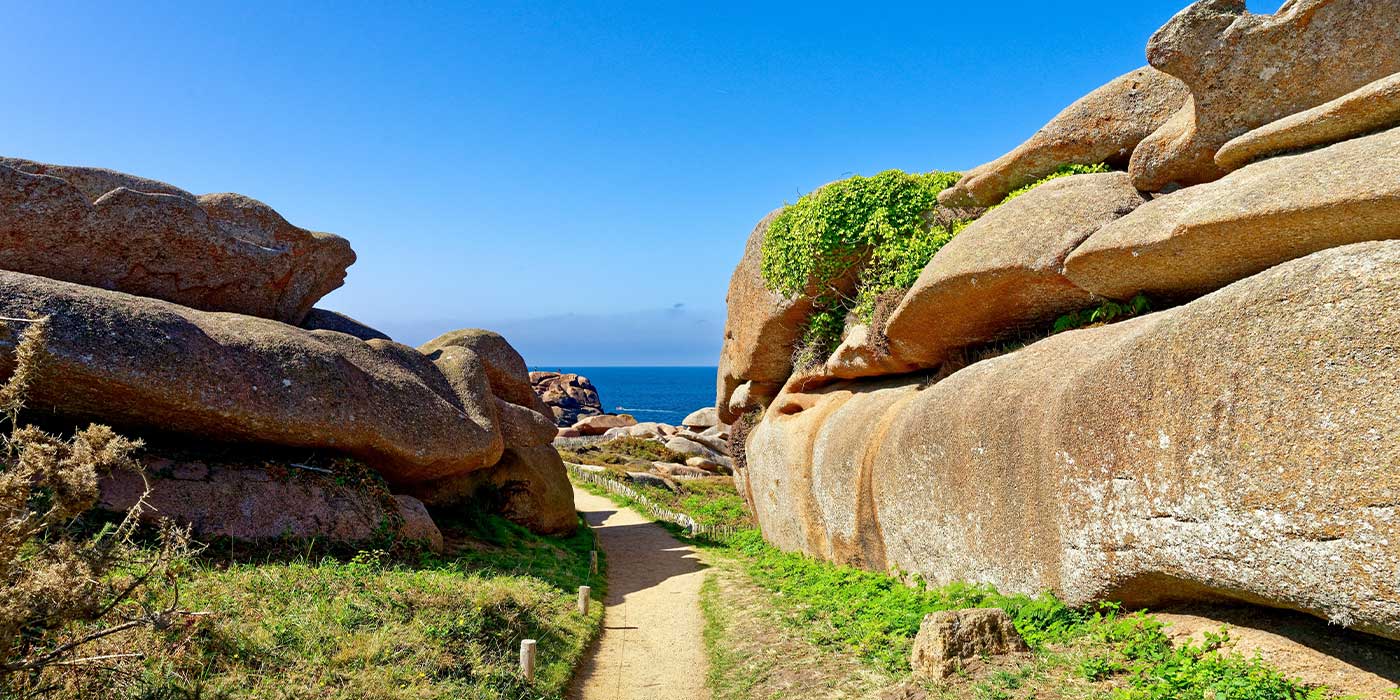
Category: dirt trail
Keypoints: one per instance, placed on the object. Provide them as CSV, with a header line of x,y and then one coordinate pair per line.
x,y
651,646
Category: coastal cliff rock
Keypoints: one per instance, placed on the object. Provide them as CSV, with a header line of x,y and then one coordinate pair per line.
x,y
1205,237
1240,447
1246,70
1370,108
215,252
1102,127
134,361
1003,274
760,330
569,397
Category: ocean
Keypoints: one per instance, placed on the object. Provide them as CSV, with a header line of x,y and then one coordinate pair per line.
x,y
661,394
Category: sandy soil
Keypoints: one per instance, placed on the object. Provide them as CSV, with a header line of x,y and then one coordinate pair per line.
x,y
651,647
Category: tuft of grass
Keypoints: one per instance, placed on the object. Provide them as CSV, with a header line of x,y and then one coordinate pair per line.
x,y
1107,311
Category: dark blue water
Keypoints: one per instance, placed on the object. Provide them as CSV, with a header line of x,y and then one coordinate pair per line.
x,y
661,394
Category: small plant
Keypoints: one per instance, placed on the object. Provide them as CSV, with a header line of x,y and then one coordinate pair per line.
x,y
1106,312
1062,171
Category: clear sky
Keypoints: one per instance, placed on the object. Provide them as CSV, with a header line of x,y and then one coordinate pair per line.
x,y
580,176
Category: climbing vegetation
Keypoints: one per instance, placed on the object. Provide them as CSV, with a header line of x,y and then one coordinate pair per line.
x,y
1062,171
846,243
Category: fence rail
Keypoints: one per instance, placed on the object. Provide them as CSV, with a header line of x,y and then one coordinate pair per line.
x,y
718,533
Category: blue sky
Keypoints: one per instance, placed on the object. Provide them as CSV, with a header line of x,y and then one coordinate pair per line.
x,y
579,176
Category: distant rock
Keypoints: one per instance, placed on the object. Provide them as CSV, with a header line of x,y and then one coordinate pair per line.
x,y
654,480
649,429
1102,127
702,419
1246,70
1202,238
569,397
598,425
323,320
134,361
1002,275
1367,109
252,503
215,252
950,640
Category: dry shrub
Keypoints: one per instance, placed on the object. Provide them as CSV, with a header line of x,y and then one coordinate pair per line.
x,y
68,582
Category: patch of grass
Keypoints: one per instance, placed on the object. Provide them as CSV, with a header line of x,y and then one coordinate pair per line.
x,y
622,451
371,626
1107,311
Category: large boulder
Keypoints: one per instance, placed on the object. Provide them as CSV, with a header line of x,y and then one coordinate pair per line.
x,y
702,419
254,503
1240,447
1367,109
598,425
569,397
1246,70
505,368
215,252
1205,237
1102,127
1002,274
134,361
529,486
760,331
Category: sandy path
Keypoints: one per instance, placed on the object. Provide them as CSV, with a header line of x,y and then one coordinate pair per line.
x,y
651,646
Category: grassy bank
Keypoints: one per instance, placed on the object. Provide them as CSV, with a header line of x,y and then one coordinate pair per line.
x,y
844,629
370,625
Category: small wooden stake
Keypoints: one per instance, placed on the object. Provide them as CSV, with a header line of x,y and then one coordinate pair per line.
x,y
583,593
593,562
527,659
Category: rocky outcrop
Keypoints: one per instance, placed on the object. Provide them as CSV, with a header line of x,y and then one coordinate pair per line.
x,y
1239,447
1367,109
598,425
505,369
254,503
1102,127
1246,70
1002,274
215,252
569,397
760,331
529,485
951,640
1205,237
701,419
323,320
139,362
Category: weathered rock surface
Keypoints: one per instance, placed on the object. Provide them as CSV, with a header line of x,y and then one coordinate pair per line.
x,y
323,320
598,425
649,479
133,361
250,503
760,331
692,447
568,396
1102,127
1241,447
1245,70
529,486
1002,274
505,368
649,429
950,640
215,252
1205,237
1371,108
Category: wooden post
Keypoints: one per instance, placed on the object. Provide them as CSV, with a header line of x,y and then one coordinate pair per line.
x,y
527,659
593,562
583,598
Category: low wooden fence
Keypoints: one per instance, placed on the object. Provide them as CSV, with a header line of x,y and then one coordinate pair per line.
x,y
718,533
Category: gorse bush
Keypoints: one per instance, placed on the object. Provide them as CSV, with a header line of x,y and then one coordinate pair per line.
x,y
849,241
67,587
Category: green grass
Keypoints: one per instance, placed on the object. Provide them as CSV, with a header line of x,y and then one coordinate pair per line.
x,y
621,452
371,626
